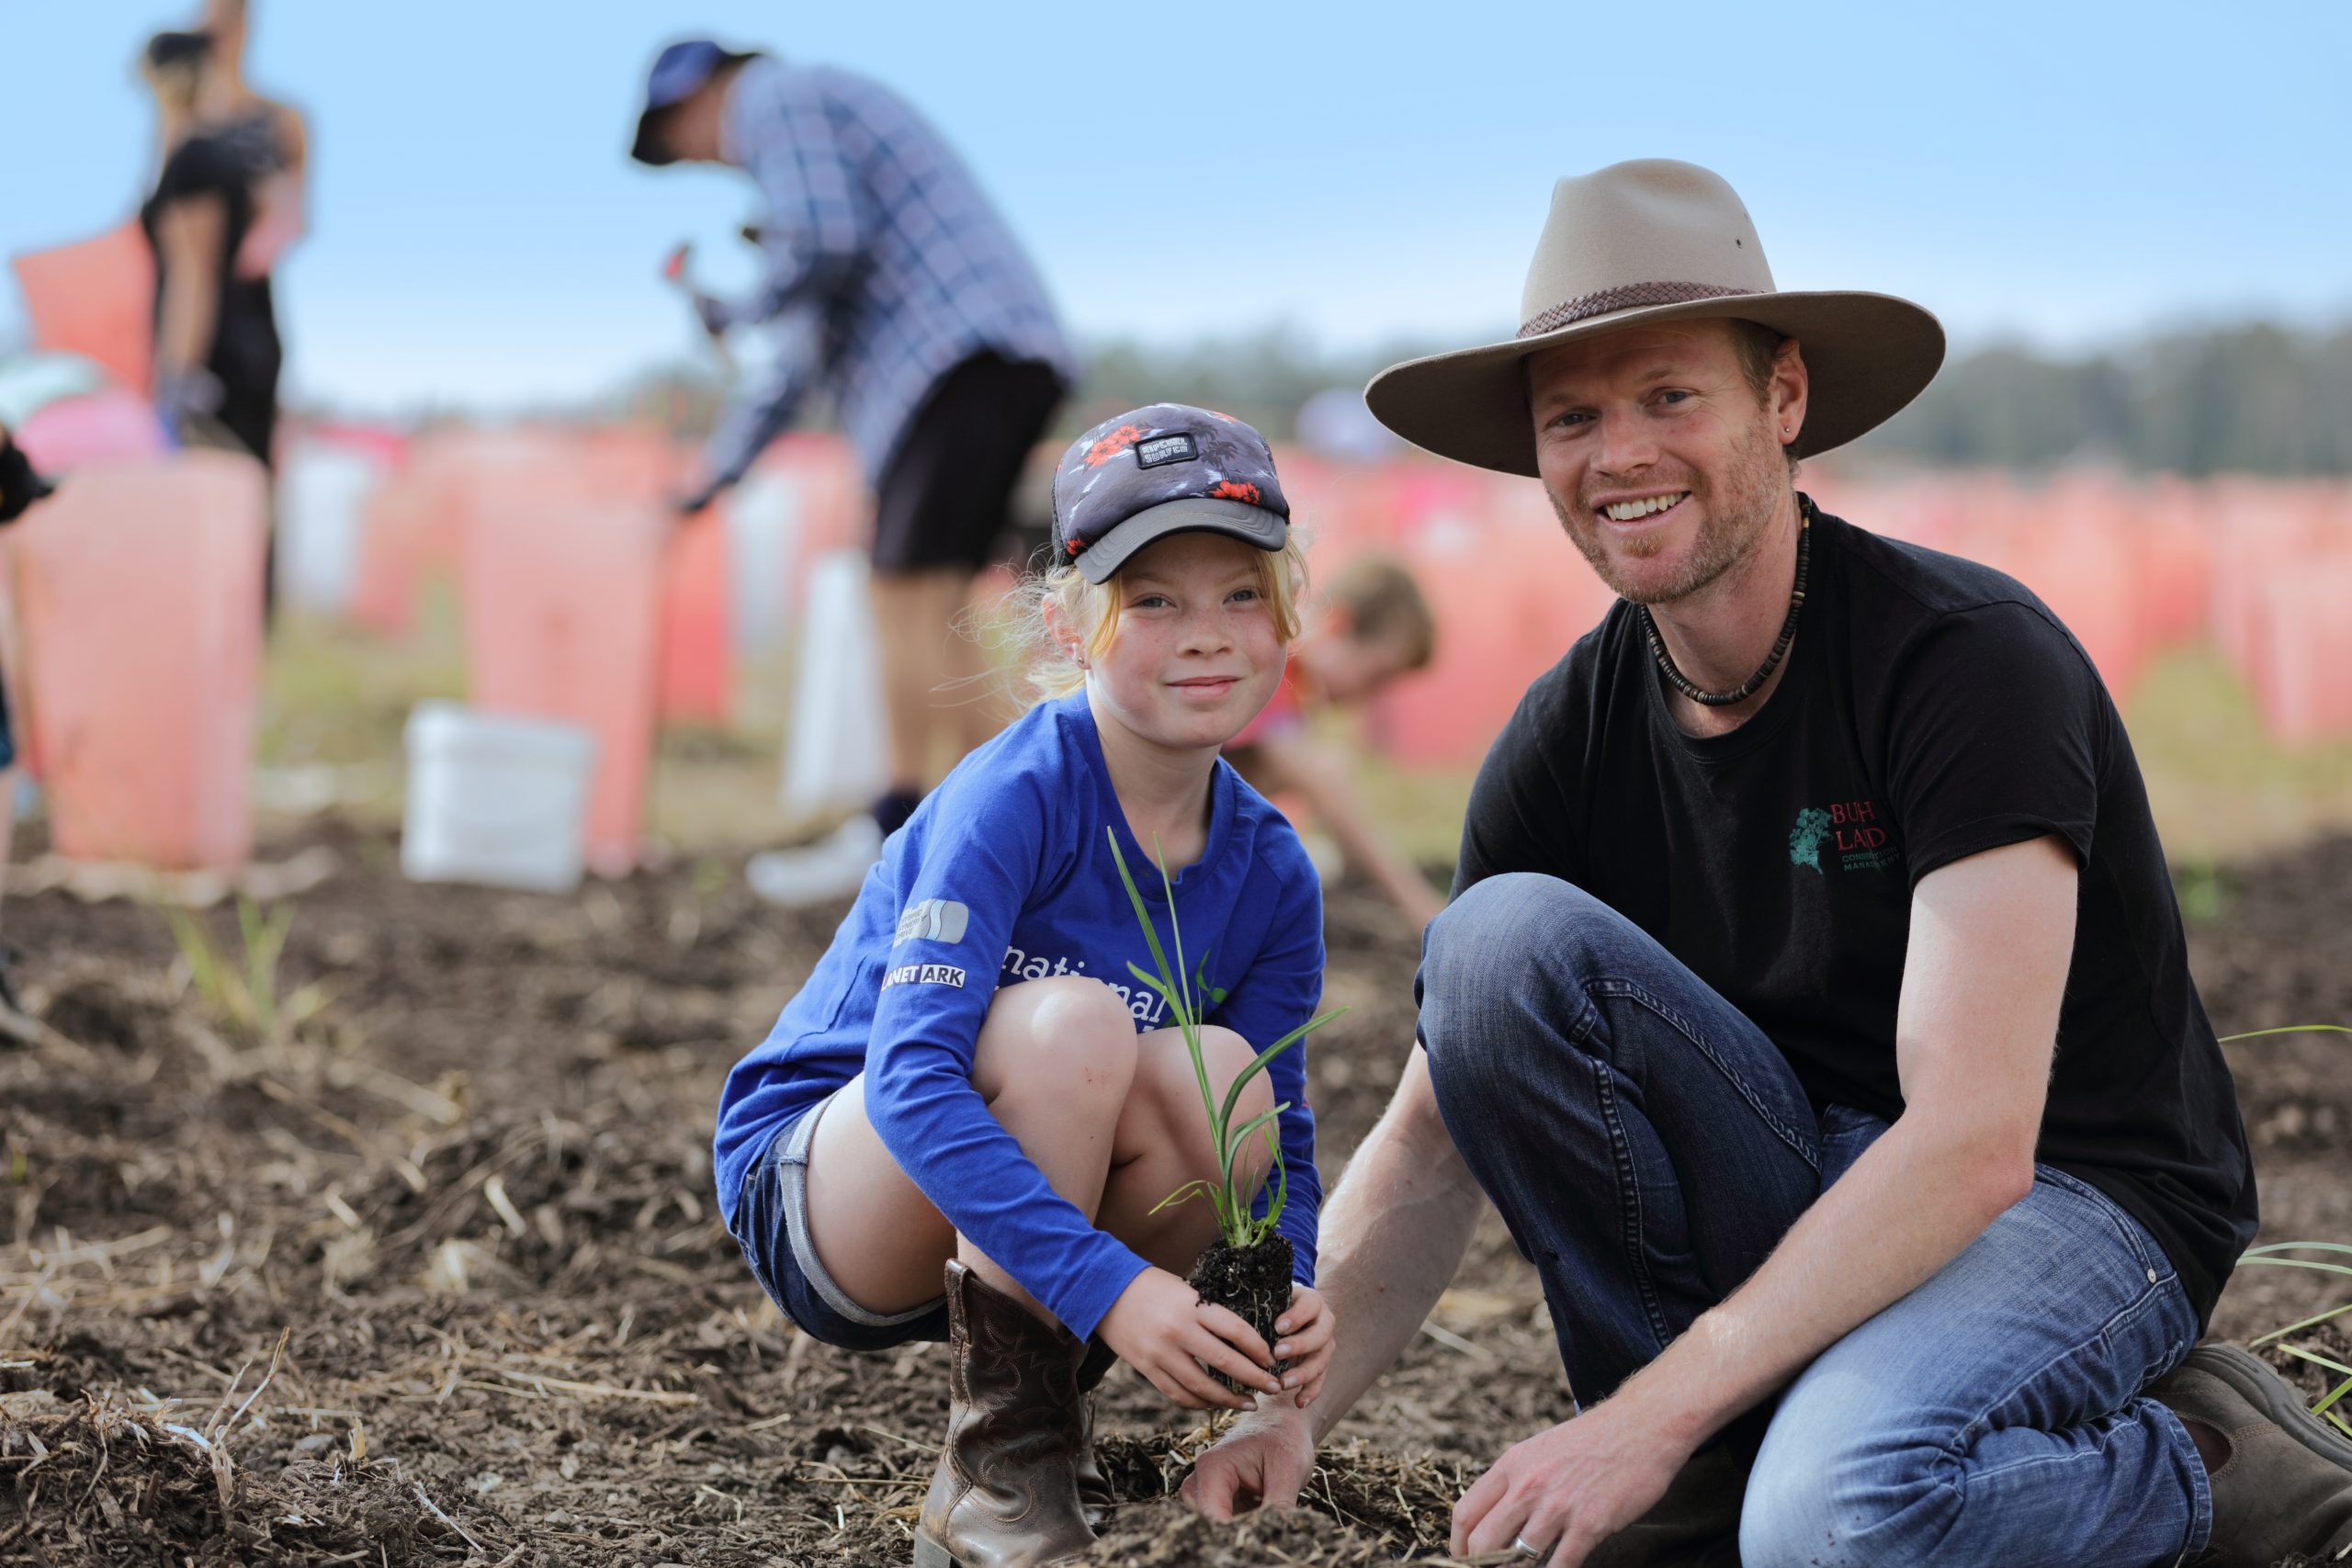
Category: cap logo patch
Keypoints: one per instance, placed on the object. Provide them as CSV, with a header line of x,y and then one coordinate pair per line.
x,y
1164,449
1235,489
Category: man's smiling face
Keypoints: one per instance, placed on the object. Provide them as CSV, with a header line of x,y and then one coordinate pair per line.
x,y
1661,457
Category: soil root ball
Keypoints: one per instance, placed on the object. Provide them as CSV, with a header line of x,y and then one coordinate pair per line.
x,y
1252,1282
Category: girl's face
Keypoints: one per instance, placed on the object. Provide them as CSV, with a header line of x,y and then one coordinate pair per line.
x,y
1197,654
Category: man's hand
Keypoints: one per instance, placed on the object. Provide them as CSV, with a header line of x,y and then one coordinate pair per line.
x,y
1306,1331
1260,1462
1161,1326
1566,1490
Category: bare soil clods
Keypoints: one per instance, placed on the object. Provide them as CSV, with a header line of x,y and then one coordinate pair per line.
x,y
473,1197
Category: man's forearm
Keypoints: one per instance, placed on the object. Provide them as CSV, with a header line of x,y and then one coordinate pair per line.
x,y
1393,1235
1911,1204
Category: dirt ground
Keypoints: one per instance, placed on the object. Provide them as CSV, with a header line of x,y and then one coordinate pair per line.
x,y
440,1277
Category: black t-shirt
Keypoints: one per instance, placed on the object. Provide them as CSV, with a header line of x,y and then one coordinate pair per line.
x,y
245,353
1932,708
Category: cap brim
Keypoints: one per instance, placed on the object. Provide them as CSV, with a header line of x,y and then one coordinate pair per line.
x,y
1867,355
1252,524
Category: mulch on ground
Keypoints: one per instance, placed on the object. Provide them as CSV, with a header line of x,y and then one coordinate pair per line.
x,y
438,1278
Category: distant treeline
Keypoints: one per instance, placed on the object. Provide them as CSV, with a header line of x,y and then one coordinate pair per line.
x,y
2253,398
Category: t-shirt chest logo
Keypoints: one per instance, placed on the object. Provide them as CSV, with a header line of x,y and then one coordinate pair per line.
x,y
1848,830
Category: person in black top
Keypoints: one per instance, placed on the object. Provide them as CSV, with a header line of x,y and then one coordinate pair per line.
x,y
217,352
1813,1001
21,486
269,137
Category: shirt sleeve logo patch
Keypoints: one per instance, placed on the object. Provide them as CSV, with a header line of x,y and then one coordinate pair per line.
x,y
924,974
934,920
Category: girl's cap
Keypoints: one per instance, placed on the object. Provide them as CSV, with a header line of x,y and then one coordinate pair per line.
x,y
1164,469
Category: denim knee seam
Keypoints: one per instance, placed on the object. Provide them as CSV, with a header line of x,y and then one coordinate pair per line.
x,y
1803,1143
1629,1191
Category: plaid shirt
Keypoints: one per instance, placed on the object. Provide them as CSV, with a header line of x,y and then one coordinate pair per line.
x,y
886,266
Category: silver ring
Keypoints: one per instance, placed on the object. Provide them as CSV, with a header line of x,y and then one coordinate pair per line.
x,y
1537,1553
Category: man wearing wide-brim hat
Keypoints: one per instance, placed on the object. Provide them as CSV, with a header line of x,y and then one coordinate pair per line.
x,y
1813,1000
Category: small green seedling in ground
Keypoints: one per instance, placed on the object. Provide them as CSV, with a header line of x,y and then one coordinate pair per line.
x,y
1239,1228
2273,1257
246,998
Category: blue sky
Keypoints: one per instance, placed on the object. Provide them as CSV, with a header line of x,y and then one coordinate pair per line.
x,y
2068,174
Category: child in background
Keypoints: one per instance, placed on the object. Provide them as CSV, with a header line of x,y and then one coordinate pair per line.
x,y
971,1084
1376,628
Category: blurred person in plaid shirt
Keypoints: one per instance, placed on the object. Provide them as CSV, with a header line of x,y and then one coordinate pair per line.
x,y
894,285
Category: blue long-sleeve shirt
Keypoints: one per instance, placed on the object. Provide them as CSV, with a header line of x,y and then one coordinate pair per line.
x,y
1003,874
886,265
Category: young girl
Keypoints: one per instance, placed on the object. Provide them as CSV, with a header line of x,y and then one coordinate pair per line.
x,y
973,1083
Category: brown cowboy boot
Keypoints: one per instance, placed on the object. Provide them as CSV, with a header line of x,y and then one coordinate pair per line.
x,y
2287,1487
1093,1486
1005,1492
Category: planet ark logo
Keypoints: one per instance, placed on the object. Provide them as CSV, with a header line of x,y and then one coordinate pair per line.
x,y
1850,828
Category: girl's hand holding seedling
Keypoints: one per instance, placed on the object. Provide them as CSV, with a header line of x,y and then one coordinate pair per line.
x,y
1161,1328
1306,1332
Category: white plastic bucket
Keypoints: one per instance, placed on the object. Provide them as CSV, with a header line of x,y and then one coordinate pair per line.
x,y
322,494
495,799
836,752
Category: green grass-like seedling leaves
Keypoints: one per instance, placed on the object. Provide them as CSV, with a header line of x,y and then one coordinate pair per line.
x,y
1236,1224
1241,1079
2297,1247
2312,1321
2317,1360
1189,1190
2291,1029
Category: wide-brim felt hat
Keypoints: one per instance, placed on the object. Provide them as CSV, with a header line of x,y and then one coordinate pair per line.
x,y
1643,242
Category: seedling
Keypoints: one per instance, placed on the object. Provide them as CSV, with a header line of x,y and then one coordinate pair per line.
x,y
2276,1255
1247,1269
247,999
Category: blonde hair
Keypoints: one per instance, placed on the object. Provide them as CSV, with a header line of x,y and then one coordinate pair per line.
x,y
1046,666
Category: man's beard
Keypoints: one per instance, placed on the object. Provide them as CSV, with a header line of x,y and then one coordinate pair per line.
x,y
1732,520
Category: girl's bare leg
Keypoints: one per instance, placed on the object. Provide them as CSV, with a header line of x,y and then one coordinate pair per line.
x,y
1055,1062
1163,1142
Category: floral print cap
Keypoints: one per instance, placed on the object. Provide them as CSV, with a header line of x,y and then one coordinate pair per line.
x,y
1159,470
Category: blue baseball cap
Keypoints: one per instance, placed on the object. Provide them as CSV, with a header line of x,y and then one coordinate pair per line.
x,y
1162,469
677,71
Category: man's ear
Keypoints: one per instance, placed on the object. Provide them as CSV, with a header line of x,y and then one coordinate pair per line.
x,y
1792,389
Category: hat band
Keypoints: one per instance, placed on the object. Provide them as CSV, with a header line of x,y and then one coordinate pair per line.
x,y
1603,301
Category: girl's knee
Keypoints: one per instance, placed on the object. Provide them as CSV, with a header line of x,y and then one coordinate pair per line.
x,y
1067,1031
1227,1055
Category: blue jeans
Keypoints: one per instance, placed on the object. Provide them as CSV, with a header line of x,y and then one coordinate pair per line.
x,y
1648,1147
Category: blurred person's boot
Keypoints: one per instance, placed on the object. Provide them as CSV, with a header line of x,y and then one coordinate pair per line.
x,y
1005,1492
1093,1486
830,869
2286,1487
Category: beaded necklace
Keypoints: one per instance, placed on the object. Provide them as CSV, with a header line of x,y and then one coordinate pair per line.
x,y
1747,688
